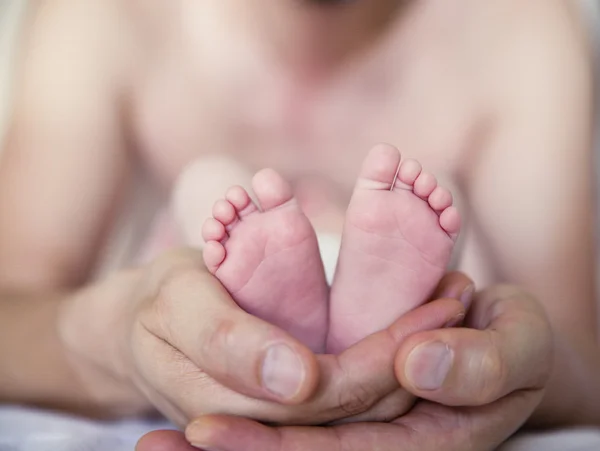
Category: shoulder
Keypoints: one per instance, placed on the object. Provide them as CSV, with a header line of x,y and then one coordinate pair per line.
x,y
540,93
75,40
546,58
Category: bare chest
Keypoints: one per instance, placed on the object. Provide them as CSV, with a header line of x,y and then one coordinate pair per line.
x,y
304,127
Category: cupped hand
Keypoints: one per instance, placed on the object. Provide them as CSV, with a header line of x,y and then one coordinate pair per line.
x,y
479,386
191,351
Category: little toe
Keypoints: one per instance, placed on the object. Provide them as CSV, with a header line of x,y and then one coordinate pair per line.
x,y
213,230
213,254
450,222
440,199
224,212
408,173
379,168
271,189
424,185
241,201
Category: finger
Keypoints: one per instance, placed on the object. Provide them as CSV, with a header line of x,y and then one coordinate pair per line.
x,y
397,403
356,381
455,285
466,367
428,427
192,312
235,433
164,441
360,382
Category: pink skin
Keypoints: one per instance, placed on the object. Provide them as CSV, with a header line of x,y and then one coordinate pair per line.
x,y
268,258
398,238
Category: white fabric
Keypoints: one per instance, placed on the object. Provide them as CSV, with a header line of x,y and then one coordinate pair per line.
x,y
583,439
31,430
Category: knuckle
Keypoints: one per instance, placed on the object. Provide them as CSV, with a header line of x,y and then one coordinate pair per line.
x,y
357,400
547,358
493,372
218,337
169,286
167,296
176,281
162,266
171,263
539,354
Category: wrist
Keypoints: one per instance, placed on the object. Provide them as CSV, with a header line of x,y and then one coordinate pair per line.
x,y
36,367
93,327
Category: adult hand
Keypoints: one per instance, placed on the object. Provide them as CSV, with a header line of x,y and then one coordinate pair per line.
x,y
185,345
490,378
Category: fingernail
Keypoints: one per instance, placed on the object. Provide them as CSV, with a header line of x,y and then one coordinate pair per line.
x,y
204,448
467,296
428,365
282,371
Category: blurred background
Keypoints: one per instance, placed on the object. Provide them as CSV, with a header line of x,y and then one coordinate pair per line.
x,y
11,12
10,15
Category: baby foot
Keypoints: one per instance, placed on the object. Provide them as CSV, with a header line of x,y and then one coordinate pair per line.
x,y
268,259
398,238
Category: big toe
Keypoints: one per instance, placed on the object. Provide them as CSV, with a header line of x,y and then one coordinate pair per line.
x,y
379,168
271,189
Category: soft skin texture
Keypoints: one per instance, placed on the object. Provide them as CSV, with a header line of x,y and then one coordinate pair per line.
x,y
399,234
497,99
267,256
509,343
159,315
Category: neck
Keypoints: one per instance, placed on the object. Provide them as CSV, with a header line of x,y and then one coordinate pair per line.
x,y
312,35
